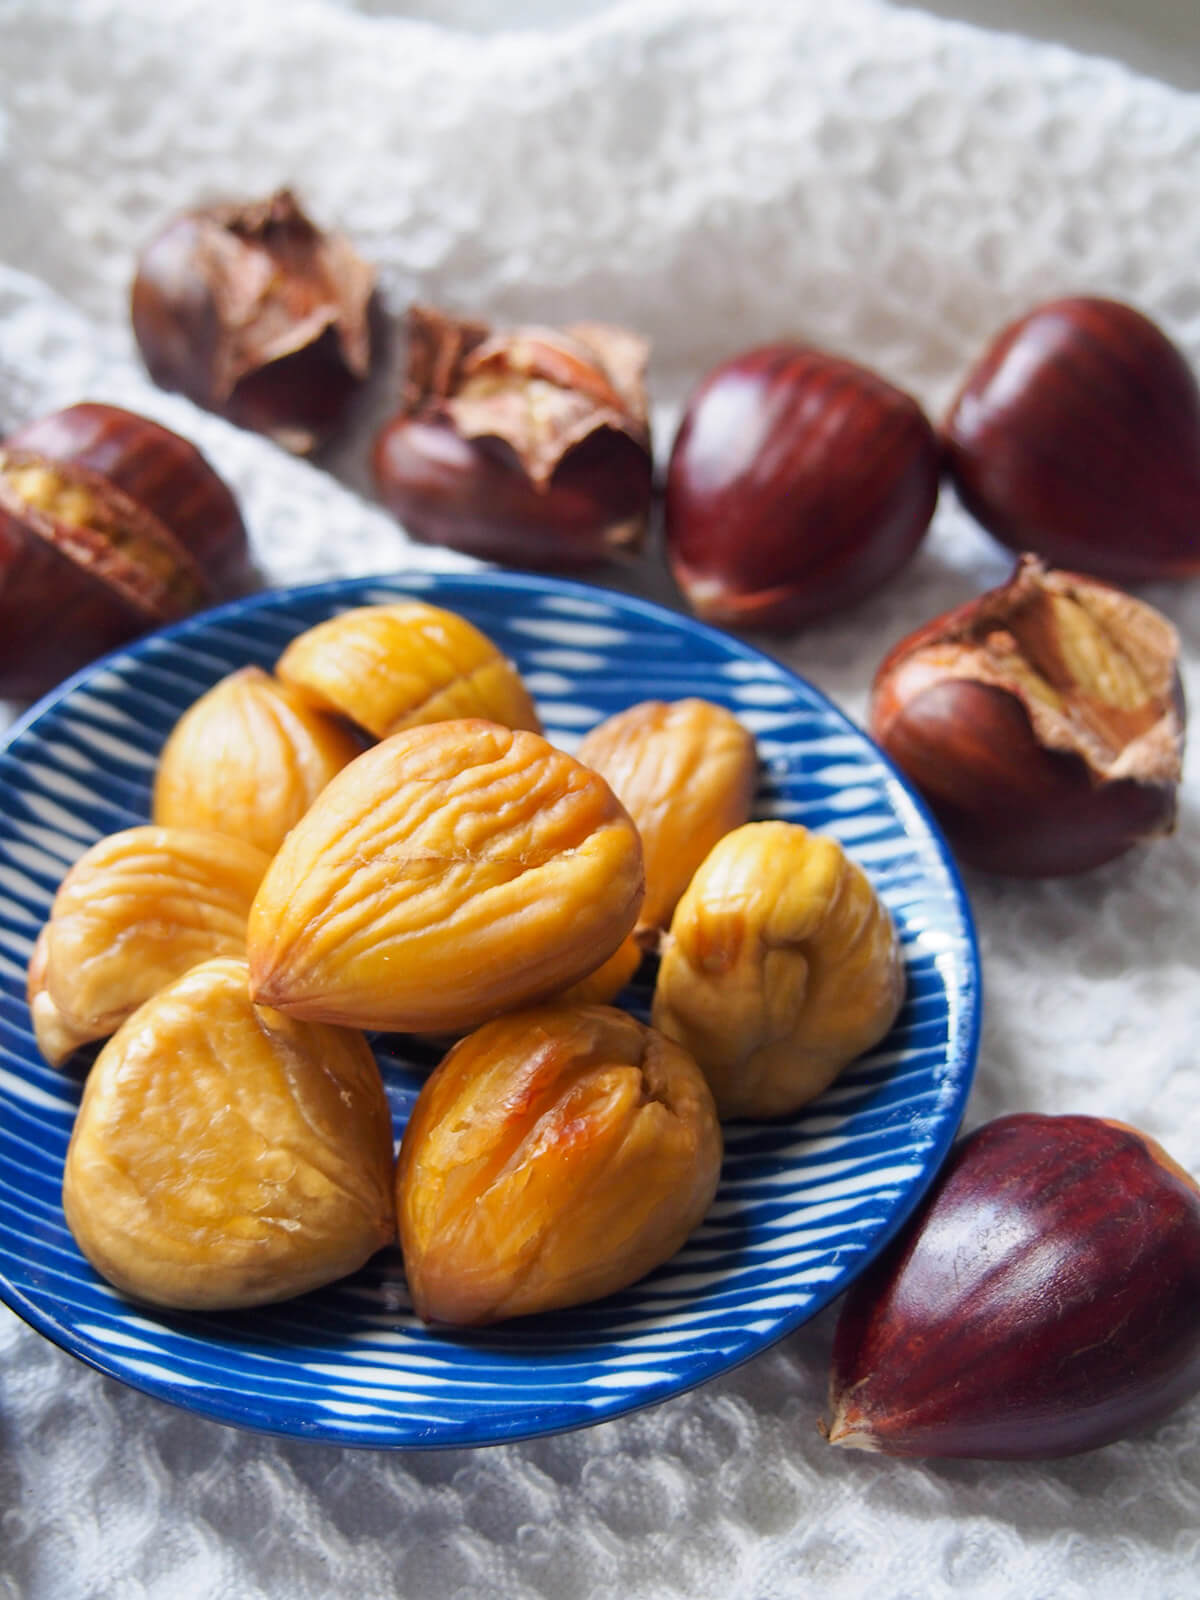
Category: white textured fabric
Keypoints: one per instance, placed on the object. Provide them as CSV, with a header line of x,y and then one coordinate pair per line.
x,y
714,173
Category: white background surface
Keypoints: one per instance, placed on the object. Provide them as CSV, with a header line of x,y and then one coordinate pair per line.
x,y
714,173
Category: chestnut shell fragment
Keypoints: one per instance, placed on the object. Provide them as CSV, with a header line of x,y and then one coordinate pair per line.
x,y
1043,1302
798,483
1077,436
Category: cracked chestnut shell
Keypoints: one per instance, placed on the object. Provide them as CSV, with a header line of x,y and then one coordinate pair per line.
x,y
83,568
798,483
257,314
526,445
556,1155
1043,1302
1077,436
1043,722
158,469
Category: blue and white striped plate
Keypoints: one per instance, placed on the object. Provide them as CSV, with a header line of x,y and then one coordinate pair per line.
x,y
803,1205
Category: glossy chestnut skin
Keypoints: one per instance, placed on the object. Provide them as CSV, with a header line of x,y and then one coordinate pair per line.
x,y
161,471
253,312
474,495
798,483
68,592
1077,435
1008,801
1042,1302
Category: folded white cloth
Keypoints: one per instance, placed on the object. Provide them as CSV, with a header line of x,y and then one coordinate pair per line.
x,y
714,174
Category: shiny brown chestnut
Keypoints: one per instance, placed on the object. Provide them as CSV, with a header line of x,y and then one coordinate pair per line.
x,y
161,471
1043,1301
1077,436
528,445
83,568
798,483
1043,722
253,312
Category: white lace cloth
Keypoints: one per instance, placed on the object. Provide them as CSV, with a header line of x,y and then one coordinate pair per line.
x,y
714,173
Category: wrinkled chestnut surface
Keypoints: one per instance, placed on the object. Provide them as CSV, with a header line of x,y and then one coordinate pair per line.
x,y
158,470
83,568
781,966
390,667
798,483
686,772
135,911
528,445
255,313
555,1156
226,1156
1042,1302
1077,436
248,759
1043,722
455,871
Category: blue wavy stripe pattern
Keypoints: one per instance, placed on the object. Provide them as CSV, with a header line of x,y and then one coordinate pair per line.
x,y
802,1206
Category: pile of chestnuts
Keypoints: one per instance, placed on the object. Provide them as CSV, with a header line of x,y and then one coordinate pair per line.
x,y
1054,1271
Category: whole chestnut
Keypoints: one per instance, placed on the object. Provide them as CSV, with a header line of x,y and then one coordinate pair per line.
x,y
253,312
529,445
1077,436
1043,722
798,483
161,471
1043,1301
83,568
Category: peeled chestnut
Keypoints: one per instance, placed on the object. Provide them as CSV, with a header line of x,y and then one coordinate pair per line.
x,y
161,471
1043,722
255,313
83,568
1078,436
798,483
528,445
1043,1302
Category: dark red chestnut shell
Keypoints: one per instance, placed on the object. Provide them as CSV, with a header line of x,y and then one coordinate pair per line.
x,y
1077,436
473,494
1028,782
69,592
255,313
1042,1302
798,483
160,471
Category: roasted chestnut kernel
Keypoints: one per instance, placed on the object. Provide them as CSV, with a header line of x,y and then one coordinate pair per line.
x,y
161,471
1043,722
1077,436
1043,1302
529,445
83,568
252,312
798,483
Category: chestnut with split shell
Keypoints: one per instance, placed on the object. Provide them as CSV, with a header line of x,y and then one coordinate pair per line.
x,y
255,313
798,483
1043,1302
1077,436
83,568
1043,722
525,445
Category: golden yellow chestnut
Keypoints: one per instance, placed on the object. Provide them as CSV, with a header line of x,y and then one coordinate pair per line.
x,y
390,667
556,1155
781,967
135,911
248,759
455,871
686,771
225,1155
